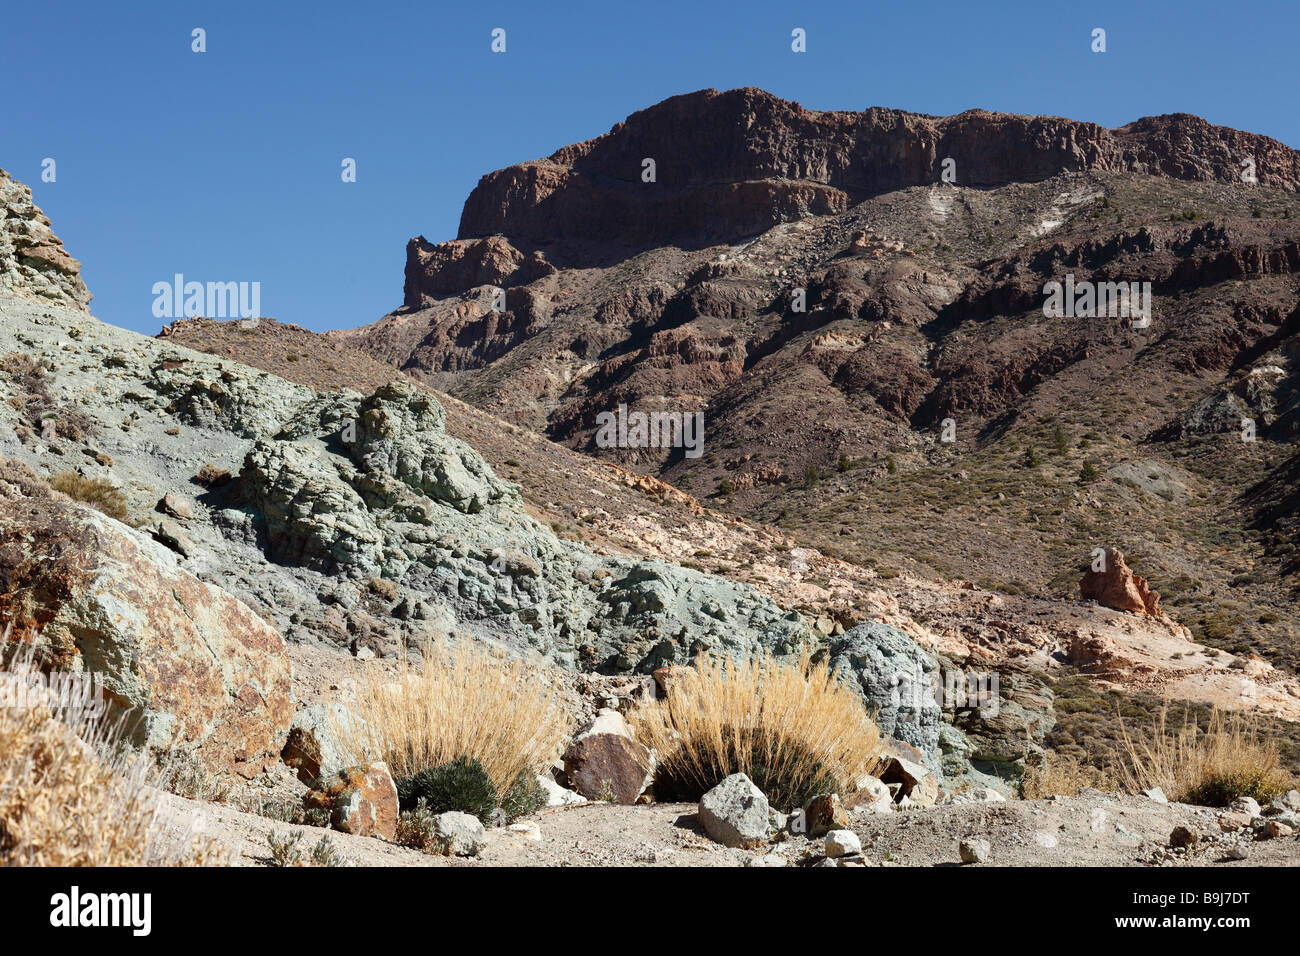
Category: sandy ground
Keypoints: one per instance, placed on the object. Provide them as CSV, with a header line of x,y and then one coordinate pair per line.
x,y
1091,830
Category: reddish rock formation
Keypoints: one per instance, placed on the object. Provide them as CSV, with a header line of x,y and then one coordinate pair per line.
x,y
735,163
1119,588
360,800
605,763
190,669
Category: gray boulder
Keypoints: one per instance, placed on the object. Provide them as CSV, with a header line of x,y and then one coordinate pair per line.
x,y
897,679
458,834
735,813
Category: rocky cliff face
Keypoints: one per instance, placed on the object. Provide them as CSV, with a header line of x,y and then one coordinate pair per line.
x,y
734,164
33,261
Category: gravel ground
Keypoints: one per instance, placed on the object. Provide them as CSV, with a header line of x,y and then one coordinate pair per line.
x,y
1088,830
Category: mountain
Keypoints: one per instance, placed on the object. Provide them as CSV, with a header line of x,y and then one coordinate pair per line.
x,y
835,309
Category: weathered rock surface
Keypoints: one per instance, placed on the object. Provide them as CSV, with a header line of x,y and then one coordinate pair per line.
x,y
189,668
731,164
1118,587
315,746
33,261
337,490
824,813
360,800
735,813
897,679
458,834
604,762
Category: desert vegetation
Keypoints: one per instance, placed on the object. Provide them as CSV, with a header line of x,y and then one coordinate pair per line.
x,y
793,729
465,730
70,795
100,493
1209,767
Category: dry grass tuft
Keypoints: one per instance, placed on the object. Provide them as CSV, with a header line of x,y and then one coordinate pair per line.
x,y
464,702
69,796
793,729
99,493
1208,768
1064,775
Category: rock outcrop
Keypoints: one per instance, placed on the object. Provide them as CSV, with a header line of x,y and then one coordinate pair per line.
x,y
356,520
33,261
1116,586
187,668
735,163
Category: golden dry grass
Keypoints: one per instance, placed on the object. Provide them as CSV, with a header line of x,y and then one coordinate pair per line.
x,y
1064,775
1211,768
463,702
68,795
99,493
793,729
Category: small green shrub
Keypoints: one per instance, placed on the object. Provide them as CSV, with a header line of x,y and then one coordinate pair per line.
x,y
415,826
461,785
525,796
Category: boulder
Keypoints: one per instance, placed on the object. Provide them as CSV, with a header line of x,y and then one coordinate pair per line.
x,y
915,782
972,850
872,794
735,813
824,813
842,843
178,506
557,796
897,681
1246,805
1275,829
665,677
604,763
360,800
458,834
1287,802
190,670
314,746
1231,821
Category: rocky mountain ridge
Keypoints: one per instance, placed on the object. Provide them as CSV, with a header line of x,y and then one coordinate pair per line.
x,y
854,358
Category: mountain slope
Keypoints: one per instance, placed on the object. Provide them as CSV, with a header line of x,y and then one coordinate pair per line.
x,y
923,320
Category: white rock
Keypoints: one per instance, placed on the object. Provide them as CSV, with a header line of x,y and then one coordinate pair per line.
x,y
1287,801
973,850
557,796
529,831
842,843
769,859
1156,794
873,795
458,834
1246,805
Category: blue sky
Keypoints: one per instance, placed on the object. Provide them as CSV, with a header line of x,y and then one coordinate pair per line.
x,y
225,165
